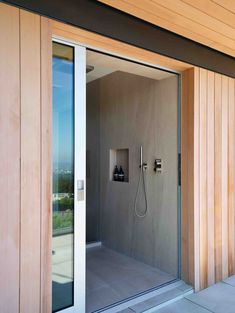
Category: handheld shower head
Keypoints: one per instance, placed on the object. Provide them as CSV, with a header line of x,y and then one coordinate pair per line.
x,y
142,166
141,156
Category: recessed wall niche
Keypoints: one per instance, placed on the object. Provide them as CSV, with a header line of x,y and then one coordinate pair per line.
x,y
119,157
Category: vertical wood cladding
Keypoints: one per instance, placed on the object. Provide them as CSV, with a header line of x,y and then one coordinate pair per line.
x,y
208,151
208,162
25,121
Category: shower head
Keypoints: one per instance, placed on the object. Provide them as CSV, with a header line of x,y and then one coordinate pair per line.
x,y
142,164
143,167
141,156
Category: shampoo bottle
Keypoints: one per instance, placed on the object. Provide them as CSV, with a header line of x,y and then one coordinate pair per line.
x,y
115,174
121,175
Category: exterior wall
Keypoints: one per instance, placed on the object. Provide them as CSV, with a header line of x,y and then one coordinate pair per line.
x,y
208,140
25,167
25,120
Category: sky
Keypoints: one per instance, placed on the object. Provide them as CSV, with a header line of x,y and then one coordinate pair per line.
x,y
63,113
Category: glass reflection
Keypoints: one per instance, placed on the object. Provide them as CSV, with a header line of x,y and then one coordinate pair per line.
x,y
63,177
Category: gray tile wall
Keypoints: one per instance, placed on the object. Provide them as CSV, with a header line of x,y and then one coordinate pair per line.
x,y
134,111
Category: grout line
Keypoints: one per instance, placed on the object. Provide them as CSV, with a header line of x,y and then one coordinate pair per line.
x,y
199,305
192,20
210,15
224,7
224,282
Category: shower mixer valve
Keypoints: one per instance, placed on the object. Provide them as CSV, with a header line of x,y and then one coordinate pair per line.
x,y
158,166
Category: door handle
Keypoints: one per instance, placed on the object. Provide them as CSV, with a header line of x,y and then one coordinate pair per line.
x,y
80,190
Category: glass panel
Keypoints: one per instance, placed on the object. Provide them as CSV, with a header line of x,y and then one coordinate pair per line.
x,y
63,177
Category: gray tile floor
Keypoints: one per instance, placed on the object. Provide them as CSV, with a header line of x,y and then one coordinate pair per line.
x,y
219,298
111,277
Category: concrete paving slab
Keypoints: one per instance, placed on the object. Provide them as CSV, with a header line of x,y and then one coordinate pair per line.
x,y
230,280
183,306
219,298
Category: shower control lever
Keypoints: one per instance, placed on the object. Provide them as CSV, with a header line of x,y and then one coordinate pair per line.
x,y
158,165
145,166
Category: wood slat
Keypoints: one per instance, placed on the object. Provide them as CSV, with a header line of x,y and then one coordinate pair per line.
x,y
218,177
229,5
196,180
190,192
10,159
217,11
210,176
46,165
30,163
203,179
147,12
224,177
231,177
205,22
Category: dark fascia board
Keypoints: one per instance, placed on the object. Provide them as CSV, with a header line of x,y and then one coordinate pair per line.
x,y
104,20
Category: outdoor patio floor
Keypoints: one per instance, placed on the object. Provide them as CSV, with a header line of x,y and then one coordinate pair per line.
x,y
219,298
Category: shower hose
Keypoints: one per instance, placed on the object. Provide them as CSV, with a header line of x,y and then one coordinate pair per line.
x,y
141,174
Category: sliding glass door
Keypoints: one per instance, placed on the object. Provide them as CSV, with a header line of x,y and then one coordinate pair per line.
x,y
69,122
